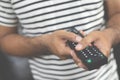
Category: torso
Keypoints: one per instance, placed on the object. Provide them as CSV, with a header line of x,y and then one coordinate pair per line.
x,y
43,16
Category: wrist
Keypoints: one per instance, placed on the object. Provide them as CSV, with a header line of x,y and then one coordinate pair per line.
x,y
112,35
39,44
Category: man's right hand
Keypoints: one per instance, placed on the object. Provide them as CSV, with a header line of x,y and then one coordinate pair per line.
x,y
56,42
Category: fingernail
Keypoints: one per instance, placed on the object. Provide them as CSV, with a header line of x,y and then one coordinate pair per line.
x,y
78,38
78,47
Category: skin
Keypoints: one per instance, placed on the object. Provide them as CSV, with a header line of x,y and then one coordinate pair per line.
x,y
14,44
106,38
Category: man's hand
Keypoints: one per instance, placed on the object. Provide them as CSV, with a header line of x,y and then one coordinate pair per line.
x,y
56,42
103,40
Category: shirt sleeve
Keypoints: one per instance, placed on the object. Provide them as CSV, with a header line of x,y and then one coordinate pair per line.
x,y
7,15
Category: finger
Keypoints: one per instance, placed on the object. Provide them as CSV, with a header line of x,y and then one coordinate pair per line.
x,y
86,41
64,52
77,60
68,35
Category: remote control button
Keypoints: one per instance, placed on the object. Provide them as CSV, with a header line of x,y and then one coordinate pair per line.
x,y
86,56
89,61
95,54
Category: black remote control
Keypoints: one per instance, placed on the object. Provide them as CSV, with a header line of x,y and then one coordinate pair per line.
x,y
91,56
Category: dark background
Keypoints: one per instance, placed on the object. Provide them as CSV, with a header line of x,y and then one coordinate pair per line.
x,y
14,68
117,56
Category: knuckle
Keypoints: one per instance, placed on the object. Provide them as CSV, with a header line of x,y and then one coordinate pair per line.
x,y
85,42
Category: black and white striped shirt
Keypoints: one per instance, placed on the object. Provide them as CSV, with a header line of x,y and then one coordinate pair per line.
x,y
38,17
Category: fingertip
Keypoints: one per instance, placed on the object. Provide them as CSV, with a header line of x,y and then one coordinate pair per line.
x,y
79,65
82,66
78,47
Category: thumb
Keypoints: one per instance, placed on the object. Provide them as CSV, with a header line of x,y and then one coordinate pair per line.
x,y
86,41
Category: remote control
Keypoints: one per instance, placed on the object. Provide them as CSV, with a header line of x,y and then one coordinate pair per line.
x,y
91,56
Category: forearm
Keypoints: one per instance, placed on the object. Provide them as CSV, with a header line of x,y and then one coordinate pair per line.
x,y
113,28
113,24
18,45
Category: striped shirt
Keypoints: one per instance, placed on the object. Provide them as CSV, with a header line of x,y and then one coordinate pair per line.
x,y
38,17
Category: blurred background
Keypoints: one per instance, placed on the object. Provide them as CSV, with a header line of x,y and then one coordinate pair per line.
x,y
14,68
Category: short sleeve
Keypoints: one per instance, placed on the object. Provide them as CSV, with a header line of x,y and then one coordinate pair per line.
x,y
7,15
